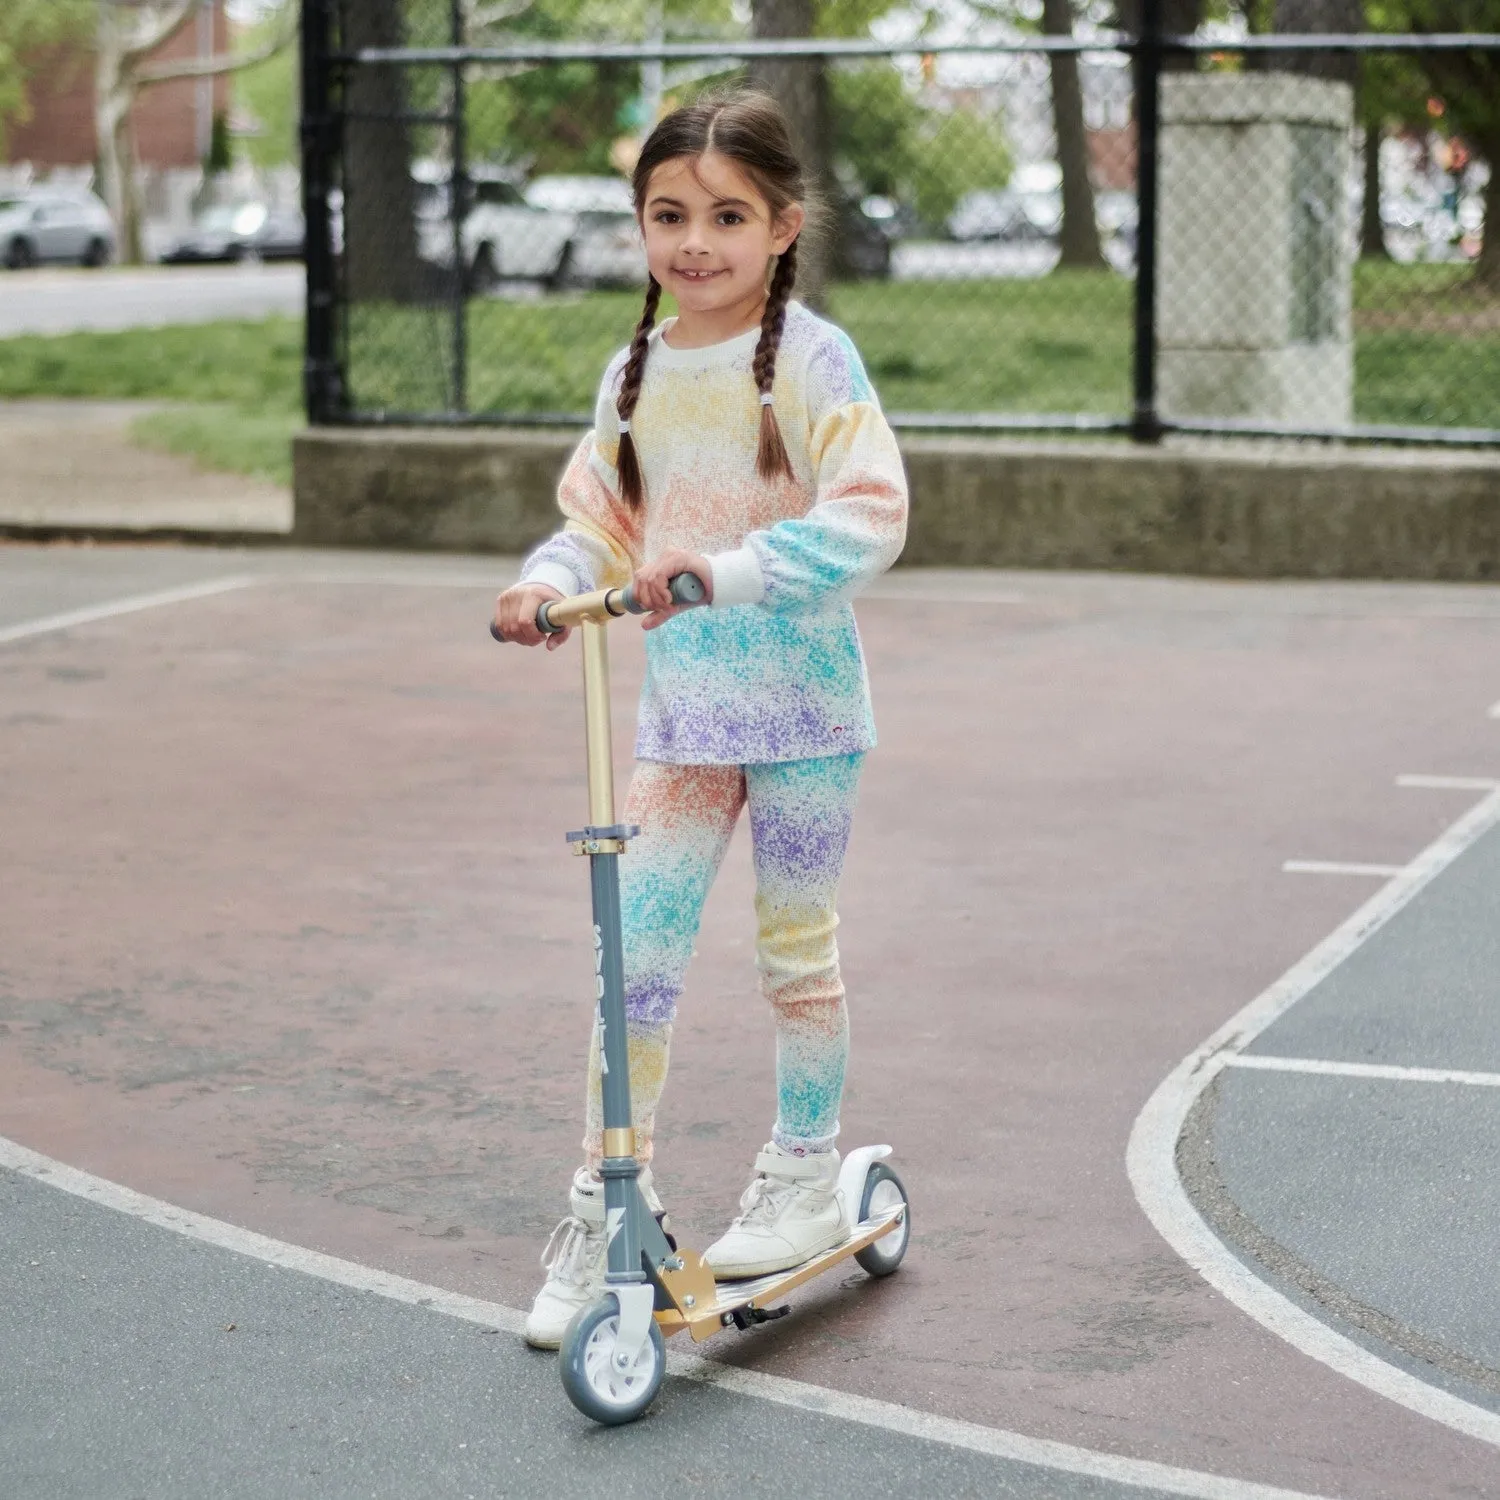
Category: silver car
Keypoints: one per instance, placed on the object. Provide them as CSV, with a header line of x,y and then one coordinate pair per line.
x,y
43,224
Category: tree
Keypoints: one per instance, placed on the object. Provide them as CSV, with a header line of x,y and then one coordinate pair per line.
x,y
1080,231
1313,17
124,39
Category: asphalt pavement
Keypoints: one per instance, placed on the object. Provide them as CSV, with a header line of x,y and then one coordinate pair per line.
x,y
291,942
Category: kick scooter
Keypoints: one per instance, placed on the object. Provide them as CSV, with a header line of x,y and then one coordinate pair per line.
x,y
613,1355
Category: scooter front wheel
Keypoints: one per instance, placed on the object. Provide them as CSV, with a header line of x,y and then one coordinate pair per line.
x,y
592,1376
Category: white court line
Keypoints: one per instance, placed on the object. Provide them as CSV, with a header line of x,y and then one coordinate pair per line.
x,y
886,1415
1495,711
127,606
1151,1157
1360,1070
1336,867
1449,783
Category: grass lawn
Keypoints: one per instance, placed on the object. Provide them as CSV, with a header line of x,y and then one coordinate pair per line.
x,y
1427,351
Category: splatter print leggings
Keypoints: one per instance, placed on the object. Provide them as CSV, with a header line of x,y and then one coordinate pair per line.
x,y
800,812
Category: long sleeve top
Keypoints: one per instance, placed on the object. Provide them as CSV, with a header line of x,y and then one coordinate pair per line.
x,y
773,671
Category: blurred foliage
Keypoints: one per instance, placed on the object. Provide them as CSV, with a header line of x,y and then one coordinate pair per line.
x,y
269,94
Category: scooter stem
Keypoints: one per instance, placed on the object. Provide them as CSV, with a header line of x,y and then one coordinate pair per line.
x,y
597,731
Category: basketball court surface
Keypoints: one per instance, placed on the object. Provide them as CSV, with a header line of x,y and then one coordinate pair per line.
x,y
1171,929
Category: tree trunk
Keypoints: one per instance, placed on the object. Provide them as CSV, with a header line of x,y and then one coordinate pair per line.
x,y
1487,266
1371,229
800,87
1080,230
380,221
113,92
1326,17
1178,18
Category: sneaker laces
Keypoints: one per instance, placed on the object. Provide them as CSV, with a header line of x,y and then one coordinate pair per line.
x,y
764,1199
566,1258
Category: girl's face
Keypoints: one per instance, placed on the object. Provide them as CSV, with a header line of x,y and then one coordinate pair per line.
x,y
710,235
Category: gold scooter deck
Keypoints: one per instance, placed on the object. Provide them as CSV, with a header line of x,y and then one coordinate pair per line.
x,y
706,1319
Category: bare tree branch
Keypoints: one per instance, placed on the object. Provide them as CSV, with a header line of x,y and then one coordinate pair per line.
x,y
151,32
228,62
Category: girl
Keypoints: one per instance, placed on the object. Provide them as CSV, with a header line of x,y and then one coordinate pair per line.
x,y
740,441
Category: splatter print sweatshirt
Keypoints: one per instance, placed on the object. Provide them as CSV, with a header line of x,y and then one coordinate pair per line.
x,y
773,671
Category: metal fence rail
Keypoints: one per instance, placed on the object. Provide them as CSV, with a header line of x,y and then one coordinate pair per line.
x,y
452,279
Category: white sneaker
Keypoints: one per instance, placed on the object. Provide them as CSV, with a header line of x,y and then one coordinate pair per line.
x,y
790,1212
575,1259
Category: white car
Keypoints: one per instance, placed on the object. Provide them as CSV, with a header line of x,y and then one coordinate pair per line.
x,y
43,224
560,230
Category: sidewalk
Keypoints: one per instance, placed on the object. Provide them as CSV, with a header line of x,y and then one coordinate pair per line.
x,y
71,465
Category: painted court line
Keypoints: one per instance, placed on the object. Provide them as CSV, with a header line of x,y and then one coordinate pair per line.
x,y
1449,783
1151,1157
1361,1070
993,1441
1495,710
1336,867
127,606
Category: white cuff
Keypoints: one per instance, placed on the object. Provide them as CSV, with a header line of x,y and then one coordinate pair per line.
x,y
737,578
555,576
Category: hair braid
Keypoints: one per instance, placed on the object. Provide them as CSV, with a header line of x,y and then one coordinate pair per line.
x,y
771,458
627,464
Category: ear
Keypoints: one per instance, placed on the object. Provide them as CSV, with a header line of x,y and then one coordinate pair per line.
x,y
787,228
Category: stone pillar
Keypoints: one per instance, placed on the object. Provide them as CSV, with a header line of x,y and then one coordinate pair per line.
x,y
1255,255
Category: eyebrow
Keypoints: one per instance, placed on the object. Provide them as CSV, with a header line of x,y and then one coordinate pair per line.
x,y
717,203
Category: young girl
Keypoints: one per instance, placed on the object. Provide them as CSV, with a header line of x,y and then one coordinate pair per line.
x,y
740,441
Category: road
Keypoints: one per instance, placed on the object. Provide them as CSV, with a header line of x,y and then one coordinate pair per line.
x,y
67,301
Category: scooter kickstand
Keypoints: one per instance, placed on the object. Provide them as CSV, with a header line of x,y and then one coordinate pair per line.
x,y
745,1318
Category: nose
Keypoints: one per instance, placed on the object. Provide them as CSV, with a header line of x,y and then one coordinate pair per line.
x,y
693,242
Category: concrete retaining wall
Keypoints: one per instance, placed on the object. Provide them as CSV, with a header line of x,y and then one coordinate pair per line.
x,y
1229,509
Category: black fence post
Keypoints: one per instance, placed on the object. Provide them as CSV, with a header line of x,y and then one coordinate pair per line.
x,y
458,207
322,380
1145,422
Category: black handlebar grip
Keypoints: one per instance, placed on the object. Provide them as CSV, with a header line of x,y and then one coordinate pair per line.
x,y
541,622
686,588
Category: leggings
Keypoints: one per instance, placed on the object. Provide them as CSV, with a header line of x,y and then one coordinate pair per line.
x,y
800,813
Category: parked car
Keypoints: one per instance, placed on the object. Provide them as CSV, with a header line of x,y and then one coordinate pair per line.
x,y
604,248
559,230
1005,214
41,224
239,231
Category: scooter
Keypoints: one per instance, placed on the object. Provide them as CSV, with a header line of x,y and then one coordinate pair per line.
x,y
613,1355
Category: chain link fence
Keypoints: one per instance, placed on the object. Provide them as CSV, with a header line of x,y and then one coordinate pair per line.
x,y
1110,233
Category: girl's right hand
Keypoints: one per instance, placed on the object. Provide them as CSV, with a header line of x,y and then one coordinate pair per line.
x,y
515,615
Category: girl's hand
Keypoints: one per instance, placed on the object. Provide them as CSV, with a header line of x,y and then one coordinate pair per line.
x,y
515,615
651,585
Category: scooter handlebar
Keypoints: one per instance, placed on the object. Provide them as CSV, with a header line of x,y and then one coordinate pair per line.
x,y
686,588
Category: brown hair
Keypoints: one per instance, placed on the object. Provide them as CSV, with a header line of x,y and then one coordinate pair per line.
x,y
750,129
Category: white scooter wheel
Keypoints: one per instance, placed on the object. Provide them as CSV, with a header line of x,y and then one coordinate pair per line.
x,y
595,1383
883,1191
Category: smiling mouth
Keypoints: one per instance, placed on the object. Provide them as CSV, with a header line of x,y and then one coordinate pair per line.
x,y
695,275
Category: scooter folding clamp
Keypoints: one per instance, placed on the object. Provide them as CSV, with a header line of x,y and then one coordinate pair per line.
x,y
608,840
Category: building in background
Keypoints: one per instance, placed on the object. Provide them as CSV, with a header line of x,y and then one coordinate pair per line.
x,y
172,121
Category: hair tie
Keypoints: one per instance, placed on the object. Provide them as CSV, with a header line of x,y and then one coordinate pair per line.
x,y
624,425
765,398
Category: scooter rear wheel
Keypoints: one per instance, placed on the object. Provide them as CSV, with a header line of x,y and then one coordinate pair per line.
x,y
883,1191
595,1384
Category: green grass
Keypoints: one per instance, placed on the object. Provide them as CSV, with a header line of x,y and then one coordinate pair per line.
x,y
1427,351
224,437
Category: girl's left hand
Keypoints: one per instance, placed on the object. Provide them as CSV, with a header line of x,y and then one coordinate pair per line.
x,y
651,584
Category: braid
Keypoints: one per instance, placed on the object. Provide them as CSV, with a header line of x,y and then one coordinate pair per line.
x,y
771,459
632,485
